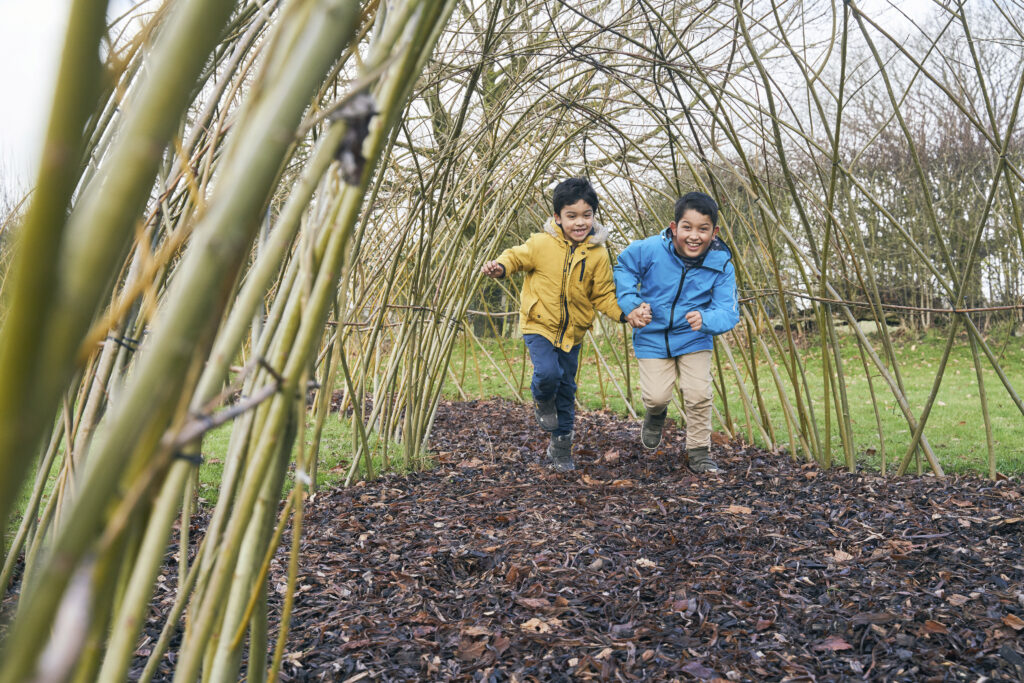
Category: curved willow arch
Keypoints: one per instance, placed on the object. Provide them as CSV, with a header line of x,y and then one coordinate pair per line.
x,y
259,199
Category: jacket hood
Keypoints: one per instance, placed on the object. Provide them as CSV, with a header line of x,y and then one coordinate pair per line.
x,y
717,244
598,235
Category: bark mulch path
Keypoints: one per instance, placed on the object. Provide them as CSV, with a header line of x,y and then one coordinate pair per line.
x,y
492,567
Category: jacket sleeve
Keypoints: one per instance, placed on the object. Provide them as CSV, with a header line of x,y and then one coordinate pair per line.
x,y
517,258
723,313
628,276
603,294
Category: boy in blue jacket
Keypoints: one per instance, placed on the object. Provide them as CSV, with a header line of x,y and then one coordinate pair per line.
x,y
686,276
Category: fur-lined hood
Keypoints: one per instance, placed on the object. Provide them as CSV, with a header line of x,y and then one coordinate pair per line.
x,y
598,234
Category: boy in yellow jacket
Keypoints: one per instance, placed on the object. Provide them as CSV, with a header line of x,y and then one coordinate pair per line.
x,y
568,276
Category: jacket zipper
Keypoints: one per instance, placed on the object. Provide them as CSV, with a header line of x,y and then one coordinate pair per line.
x,y
566,268
583,266
672,314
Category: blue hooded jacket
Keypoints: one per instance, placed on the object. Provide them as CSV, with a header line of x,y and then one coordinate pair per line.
x,y
651,271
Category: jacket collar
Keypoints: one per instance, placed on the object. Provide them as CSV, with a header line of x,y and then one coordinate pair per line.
x,y
717,255
598,235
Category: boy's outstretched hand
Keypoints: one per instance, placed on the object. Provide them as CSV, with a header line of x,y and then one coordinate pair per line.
x,y
696,320
639,316
493,269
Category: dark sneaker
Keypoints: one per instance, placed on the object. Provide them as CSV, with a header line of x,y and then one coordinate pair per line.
x,y
547,414
560,452
650,433
701,461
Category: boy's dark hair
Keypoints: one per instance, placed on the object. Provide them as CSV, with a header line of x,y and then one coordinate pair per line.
x,y
699,202
572,190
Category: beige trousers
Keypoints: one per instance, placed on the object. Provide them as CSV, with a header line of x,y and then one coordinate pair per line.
x,y
691,372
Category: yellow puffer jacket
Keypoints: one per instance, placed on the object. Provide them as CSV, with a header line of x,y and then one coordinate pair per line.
x,y
565,283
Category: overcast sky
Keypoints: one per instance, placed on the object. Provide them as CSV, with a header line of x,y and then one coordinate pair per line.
x,y
31,34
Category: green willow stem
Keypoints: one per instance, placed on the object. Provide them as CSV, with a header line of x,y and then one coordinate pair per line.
x,y
33,288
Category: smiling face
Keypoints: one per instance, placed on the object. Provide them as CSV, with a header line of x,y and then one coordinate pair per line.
x,y
577,220
692,235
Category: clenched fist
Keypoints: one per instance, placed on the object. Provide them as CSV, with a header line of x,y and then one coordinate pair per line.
x,y
493,269
695,319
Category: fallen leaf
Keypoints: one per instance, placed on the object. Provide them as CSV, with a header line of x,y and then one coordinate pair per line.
x,y
644,562
932,626
471,650
500,644
841,556
958,600
738,510
695,668
1013,621
719,439
476,631
834,644
533,603
535,625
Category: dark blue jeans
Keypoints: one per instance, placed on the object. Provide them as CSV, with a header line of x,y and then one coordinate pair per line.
x,y
554,374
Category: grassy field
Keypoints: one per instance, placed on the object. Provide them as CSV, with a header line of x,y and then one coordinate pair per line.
x,y
955,428
337,445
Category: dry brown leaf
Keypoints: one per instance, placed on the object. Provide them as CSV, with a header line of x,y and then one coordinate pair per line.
x,y
533,603
476,631
738,510
1013,621
833,643
841,556
471,650
932,626
535,625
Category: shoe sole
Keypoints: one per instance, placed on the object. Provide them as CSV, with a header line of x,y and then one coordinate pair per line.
x,y
650,448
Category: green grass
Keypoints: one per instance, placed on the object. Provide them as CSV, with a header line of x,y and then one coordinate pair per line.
x,y
955,428
336,450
